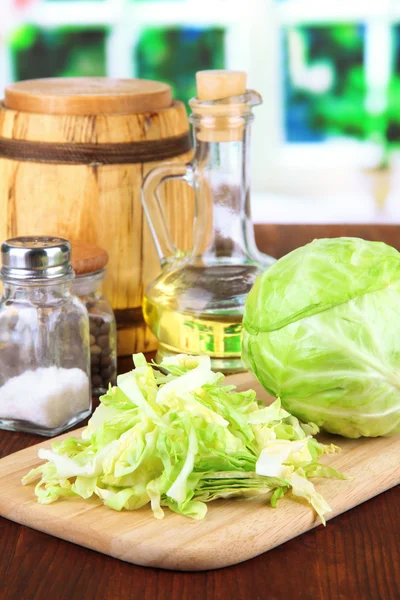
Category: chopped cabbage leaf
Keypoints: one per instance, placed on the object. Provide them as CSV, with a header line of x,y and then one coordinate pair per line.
x,y
179,438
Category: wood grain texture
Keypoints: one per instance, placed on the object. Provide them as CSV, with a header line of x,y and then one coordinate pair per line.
x,y
99,204
232,532
356,557
135,338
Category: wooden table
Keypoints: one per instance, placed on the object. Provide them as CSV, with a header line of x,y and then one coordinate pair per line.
x,y
356,557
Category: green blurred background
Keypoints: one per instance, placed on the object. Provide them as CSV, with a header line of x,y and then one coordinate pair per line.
x,y
324,86
172,54
328,70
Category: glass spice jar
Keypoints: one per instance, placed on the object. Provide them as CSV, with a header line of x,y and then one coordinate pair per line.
x,y
88,262
44,339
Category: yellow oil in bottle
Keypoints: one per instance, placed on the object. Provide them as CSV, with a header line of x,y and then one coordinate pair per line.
x,y
186,333
197,311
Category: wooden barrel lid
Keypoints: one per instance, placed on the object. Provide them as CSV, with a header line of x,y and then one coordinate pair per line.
x,y
87,258
87,96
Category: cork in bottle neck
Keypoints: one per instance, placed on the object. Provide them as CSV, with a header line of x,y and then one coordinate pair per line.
x,y
217,85
223,105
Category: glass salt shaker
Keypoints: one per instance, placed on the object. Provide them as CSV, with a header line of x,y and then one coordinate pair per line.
x,y
44,339
89,262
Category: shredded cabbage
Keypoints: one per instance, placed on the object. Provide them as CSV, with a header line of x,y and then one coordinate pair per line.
x,y
178,438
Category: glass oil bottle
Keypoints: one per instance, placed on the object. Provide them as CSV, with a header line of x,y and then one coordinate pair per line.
x,y
196,304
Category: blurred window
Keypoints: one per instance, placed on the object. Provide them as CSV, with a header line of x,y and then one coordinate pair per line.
x,y
324,82
175,54
341,75
58,52
328,70
152,39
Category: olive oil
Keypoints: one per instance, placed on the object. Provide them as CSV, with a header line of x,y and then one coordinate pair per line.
x,y
198,310
191,333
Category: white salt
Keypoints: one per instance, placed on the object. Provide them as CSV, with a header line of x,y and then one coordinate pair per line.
x,y
48,397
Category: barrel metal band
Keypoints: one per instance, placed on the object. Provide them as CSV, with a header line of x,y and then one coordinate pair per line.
x,y
95,154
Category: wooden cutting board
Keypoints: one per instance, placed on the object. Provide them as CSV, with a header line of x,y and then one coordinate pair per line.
x,y
233,531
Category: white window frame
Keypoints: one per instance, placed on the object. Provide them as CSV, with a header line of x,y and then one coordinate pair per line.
x,y
290,167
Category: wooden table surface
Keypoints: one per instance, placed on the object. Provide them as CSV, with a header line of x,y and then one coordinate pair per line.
x,y
356,557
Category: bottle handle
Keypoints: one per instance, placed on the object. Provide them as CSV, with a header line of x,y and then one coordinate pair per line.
x,y
153,208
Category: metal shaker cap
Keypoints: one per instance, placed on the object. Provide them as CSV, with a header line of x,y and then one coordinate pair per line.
x,y
36,258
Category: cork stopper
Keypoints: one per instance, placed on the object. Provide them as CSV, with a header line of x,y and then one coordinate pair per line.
x,y
87,96
222,121
87,258
214,85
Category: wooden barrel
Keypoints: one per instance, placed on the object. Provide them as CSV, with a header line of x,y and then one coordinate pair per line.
x,y
73,155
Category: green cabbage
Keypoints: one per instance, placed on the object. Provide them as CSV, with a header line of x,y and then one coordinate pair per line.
x,y
322,333
180,438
